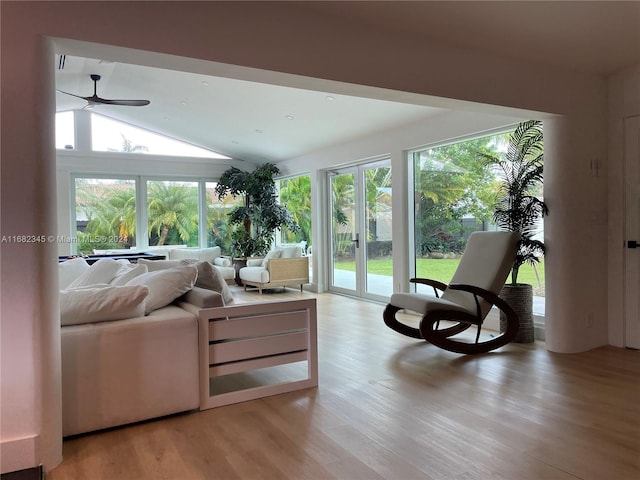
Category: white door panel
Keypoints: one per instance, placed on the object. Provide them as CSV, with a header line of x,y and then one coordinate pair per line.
x,y
632,232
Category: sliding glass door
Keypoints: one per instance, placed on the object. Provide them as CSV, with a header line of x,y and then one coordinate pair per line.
x,y
360,230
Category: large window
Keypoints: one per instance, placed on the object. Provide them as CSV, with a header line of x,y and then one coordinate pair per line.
x,y
108,135
172,213
455,192
108,214
65,131
295,193
219,230
105,213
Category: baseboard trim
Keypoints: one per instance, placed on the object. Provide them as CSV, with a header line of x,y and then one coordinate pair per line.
x,y
33,473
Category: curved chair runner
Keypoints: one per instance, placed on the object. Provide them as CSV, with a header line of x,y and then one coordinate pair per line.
x,y
466,301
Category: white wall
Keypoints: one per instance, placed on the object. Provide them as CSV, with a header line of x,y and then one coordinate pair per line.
x,y
291,42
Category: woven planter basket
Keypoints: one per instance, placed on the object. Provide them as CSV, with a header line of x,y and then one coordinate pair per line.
x,y
520,298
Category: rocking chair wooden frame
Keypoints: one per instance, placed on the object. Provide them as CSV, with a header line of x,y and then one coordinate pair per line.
x,y
500,247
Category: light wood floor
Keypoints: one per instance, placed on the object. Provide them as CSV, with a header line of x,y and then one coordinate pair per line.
x,y
389,407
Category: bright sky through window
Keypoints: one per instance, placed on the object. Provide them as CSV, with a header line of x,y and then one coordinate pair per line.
x,y
108,135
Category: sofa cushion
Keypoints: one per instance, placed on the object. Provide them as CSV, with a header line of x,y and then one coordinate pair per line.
x,y
203,298
128,272
100,304
102,271
210,278
71,269
207,254
166,285
155,265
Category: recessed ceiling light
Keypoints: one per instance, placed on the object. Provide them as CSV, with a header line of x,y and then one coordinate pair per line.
x,y
329,98
205,83
289,117
182,102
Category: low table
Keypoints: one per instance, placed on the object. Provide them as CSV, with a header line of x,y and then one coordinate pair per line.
x,y
132,257
255,350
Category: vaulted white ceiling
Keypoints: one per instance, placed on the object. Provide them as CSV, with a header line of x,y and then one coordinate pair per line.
x,y
255,121
241,119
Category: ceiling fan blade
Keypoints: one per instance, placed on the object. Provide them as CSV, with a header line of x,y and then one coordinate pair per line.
x,y
73,95
126,103
96,100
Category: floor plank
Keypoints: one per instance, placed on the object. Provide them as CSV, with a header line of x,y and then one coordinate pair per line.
x,y
389,407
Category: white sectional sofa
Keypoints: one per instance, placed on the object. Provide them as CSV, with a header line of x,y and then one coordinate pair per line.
x,y
212,255
129,340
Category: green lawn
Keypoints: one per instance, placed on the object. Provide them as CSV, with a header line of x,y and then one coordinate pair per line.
x,y
441,269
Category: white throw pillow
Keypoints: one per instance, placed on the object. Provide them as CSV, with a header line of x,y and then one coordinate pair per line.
x,y
127,273
101,271
269,256
100,304
69,270
166,285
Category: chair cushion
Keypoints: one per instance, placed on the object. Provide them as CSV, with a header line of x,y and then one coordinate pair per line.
x,y
254,274
424,303
269,256
228,273
486,262
291,252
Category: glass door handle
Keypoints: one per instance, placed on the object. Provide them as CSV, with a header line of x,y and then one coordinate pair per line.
x,y
356,240
633,244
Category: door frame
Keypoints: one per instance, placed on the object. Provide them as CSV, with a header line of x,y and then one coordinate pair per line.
x,y
360,230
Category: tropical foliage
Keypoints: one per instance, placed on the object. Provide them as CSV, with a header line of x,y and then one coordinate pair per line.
x,y
219,230
109,208
452,184
378,199
257,219
518,207
342,201
110,213
295,193
173,213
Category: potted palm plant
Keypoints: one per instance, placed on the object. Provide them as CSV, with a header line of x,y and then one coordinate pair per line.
x,y
519,209
260,214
